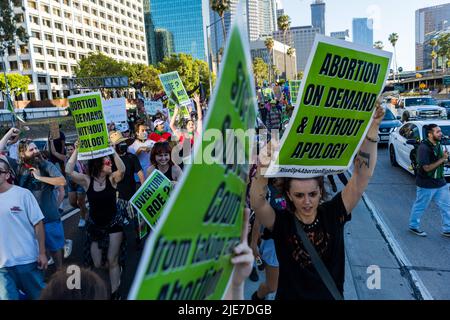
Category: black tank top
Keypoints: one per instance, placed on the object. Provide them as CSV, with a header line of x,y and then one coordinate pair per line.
x,y
102,204
168,173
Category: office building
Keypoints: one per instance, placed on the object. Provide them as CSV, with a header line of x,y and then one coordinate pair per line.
x,y
64,31
341,35
318,15
429,22
363,31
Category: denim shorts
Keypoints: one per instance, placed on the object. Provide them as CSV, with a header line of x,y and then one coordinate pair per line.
x,y
27,278
268,254
75,188
54,235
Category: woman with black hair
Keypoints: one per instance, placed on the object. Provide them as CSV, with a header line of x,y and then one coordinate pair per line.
x,y
105,224
313,228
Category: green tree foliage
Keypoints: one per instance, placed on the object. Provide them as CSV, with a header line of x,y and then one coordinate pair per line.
x,y
17,83
220,7
97,64
260,71
10,30
443,42
378,45
284,23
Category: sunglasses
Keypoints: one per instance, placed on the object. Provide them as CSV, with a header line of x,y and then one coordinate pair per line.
x,y
107,162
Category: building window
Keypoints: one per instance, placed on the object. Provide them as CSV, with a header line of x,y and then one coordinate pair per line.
x,y
76,5
72,55
104,27
58,26
43,94
57,12
120,53
62,54
26,64
79,19
60,40
133,55
67,15
88,33
112,40
102,14
97,48
87,21
105,49
54,80
110,17
80,44
51,52
66,93
13,65
95,24
34,19
66,2
42,80
64,81
119,42
105,38
81,56
79,31
73,68
94,12
89,46
32,5
47,23
113,51
38,50
86,9
97,36
69,29
63,67
45,8
52,66
48,37
70,42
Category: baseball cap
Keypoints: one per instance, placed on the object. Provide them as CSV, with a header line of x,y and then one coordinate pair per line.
x,y
116,137
158,122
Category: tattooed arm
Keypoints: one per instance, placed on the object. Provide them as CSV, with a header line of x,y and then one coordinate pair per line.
x,y
364,164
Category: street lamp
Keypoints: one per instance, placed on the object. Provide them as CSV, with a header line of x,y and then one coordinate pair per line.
x,y
210,53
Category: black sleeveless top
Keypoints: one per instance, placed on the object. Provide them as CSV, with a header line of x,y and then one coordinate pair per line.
x,y
168,173
102,204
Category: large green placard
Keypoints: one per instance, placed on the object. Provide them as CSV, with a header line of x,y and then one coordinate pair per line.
x,y
188,255
334,109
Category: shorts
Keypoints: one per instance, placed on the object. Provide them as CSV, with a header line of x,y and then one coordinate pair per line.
x,y
54,236
75,188
97,234
26,277
268,253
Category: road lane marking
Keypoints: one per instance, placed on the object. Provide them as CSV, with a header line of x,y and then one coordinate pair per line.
x,y
397,250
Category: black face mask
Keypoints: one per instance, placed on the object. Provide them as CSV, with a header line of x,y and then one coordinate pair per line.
x,y
122,148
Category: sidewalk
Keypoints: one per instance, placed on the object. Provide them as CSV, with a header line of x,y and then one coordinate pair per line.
x,y
365,246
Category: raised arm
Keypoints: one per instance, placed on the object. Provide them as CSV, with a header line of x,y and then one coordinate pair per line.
x,y
79,178
12,134
53,151
364,164
117,175
199,114
172,123
258,202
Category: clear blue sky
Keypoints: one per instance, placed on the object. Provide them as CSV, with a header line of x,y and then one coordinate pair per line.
x,y
389,16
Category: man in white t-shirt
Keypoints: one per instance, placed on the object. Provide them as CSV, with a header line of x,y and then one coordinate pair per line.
x,y
22,240
142,147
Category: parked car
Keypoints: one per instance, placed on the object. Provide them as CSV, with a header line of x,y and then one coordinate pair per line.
x,y
445,104
388,125
419,108
41,143
403,141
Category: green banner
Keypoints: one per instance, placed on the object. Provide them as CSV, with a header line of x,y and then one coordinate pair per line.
x,y
294,87
334,109
172,84
87,112
152,197
188,255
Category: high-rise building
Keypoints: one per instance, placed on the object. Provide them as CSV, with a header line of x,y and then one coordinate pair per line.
x,y
164,45
318,15
258,50
64,31
185,21
302,40
428,21
253,19
363,31
341,35
280,12
267,17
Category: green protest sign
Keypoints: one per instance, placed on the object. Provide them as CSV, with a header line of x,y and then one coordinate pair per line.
x,y
152,196
334,109
142,228
174,88
90,124
188,255
294,87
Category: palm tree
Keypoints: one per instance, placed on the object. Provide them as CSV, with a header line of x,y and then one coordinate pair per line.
x,y
290,52
378,45
393,38
220,7
443,43
433,54
269,43
284,22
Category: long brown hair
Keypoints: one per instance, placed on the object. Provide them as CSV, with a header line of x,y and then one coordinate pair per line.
x,y
287,187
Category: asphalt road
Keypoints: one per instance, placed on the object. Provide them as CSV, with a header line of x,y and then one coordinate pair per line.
x,y
393,192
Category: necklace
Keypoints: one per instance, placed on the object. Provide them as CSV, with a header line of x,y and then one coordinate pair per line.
x,y
101,183
308,227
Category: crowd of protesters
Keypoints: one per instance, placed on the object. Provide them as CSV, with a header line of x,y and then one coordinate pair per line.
x,y
32,186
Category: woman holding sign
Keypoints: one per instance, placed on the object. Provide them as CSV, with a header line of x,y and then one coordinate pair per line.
x,y
104,227
309,234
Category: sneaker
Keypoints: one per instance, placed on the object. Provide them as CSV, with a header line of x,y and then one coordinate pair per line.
x,y
50,261
254,275
67,248
256,298
446,234
82,223
418,232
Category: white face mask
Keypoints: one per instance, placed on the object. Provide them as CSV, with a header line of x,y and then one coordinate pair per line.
x,y
142,136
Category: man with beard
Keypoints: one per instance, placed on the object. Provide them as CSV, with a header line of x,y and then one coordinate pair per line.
x,y
40,177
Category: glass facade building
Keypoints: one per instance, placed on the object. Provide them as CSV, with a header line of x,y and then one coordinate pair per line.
x,y
179,25
318,15
363,31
